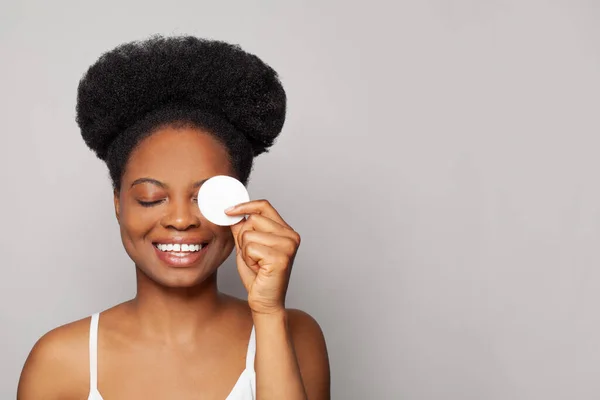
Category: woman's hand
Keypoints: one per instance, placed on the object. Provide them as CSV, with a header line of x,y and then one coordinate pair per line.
x,y
266,246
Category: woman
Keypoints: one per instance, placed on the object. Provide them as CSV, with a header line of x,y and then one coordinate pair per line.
x,y
166,114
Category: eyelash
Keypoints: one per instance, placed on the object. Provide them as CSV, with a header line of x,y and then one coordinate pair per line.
x,y
149,203
154,203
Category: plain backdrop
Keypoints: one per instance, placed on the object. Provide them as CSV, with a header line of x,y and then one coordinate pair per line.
x,y
440,160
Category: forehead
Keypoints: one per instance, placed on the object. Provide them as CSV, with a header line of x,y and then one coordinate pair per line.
x,y
178,155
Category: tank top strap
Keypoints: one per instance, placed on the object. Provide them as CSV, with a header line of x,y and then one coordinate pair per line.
x,y
251,351
94,352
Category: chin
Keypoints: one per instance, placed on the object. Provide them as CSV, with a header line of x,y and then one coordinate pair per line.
x,y
178,277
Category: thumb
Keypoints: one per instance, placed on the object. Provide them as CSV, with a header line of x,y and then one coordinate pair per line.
x,y
247,275
235,230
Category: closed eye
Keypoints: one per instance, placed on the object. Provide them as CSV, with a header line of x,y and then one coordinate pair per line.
x,y
149,203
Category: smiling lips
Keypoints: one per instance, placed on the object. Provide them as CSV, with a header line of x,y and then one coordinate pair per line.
x,y
179,254
179,248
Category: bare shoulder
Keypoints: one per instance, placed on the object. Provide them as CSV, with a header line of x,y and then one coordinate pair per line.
x,y
57,366
311,352
303,324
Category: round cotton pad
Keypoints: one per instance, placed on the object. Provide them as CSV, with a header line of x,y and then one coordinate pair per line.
x,y
218,194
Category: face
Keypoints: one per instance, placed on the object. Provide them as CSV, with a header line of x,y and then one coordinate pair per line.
x,y
157,207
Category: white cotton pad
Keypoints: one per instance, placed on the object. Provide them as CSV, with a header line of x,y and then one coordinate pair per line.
x,y
218,194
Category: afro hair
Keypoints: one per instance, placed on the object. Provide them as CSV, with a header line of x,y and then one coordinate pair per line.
x,y
140,86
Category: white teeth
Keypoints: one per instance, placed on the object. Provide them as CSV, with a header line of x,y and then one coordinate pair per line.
x,y
179,247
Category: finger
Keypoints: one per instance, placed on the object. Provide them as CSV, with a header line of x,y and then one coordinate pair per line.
x,y
235,230
247,274
262,207
264,224
259,223
282,244
268,259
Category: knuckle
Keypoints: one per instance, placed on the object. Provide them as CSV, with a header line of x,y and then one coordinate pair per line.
x,y
283,260
290,246
246,235
296,237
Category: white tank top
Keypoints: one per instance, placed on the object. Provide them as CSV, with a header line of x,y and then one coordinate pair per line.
x,y
244,388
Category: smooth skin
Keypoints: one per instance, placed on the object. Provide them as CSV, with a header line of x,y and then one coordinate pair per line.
x,y
180,338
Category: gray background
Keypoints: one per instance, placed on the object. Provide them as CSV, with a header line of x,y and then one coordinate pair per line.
x,y
439,160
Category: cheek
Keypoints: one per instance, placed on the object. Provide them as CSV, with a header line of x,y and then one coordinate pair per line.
x,y
224,234
224,243
135,223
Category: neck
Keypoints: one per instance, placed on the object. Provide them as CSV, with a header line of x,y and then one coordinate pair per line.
x,y
175,315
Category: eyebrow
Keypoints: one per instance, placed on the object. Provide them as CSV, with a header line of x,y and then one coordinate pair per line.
x,y
163,185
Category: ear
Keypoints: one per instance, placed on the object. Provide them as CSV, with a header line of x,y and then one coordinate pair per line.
x,y
117,202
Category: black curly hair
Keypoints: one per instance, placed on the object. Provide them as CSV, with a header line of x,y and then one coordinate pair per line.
x,y
141,86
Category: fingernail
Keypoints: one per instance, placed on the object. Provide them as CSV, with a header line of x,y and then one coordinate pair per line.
x,y
230,209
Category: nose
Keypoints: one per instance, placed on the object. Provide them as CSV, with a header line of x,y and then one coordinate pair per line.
x,y
182,215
